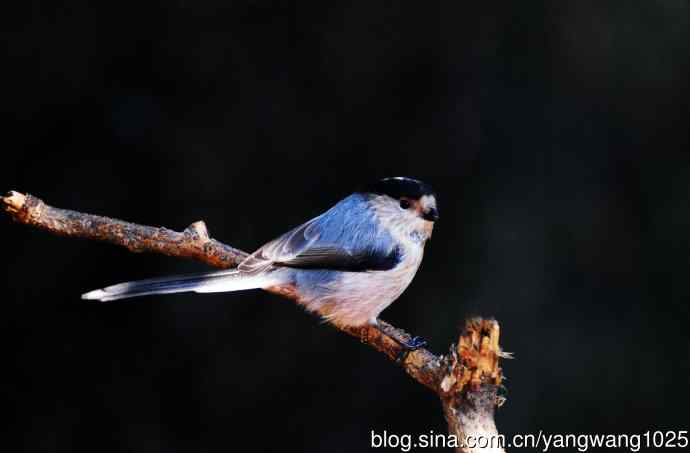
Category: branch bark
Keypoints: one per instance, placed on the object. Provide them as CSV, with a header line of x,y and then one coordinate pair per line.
x,y
466,380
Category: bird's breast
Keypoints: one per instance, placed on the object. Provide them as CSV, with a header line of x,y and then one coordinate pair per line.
x,y
355,298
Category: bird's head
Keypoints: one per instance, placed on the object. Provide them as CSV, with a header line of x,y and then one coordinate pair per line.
x,y
407,203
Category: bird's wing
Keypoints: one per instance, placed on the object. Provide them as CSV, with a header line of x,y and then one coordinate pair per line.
x,y
344,238
336,258
282,249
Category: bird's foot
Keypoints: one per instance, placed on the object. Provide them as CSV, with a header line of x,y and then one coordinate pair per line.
x,y
408,343
414,343
409,346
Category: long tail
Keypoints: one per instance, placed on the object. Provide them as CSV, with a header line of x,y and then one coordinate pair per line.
x,y
209,282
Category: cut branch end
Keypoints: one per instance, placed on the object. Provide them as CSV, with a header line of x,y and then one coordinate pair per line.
x,y
469,390
13,201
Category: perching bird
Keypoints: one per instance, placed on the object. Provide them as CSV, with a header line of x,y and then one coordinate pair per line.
x,y
347,265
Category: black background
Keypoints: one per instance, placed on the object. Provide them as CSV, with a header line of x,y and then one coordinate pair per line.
x,y
556,137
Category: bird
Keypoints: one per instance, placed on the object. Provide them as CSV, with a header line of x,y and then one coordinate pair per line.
x,y
346,265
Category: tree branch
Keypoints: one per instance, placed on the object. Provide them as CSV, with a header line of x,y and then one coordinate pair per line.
x,y
194,242
466,380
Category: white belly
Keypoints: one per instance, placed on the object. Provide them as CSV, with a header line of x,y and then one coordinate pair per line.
x,y
359,297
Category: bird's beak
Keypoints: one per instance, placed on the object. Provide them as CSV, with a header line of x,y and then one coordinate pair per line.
x,y
430,214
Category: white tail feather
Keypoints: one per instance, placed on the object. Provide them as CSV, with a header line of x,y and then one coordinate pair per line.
x,y
211,282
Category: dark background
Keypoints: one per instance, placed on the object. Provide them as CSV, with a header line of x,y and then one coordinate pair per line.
x,y
556,137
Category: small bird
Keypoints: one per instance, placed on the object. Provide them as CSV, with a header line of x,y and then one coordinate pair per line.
x,y
347,265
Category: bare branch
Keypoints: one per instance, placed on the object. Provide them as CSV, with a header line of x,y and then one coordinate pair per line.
x,y
466,380
194,242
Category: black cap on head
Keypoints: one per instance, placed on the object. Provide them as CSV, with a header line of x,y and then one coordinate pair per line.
x,y
400,187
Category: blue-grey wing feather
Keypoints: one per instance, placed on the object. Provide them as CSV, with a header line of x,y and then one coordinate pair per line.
x,y
283,248
346,237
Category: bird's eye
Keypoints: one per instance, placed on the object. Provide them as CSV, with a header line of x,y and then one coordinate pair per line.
x,y
405,204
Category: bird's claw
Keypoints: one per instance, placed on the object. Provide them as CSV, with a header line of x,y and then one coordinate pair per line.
x,y
413,344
